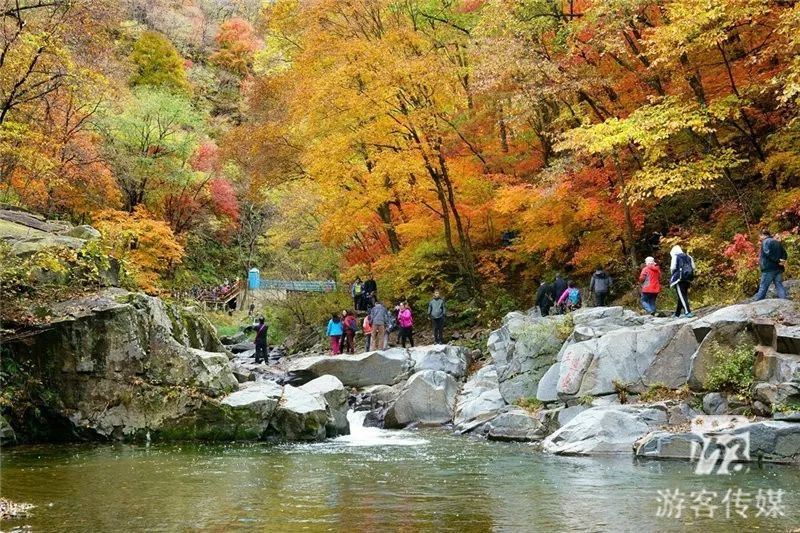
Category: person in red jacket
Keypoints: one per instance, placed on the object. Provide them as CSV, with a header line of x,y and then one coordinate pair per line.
x,y
650,278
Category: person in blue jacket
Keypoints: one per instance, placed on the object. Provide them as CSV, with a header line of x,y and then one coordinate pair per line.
x,y
335,331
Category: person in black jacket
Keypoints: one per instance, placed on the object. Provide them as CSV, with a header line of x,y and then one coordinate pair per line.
x,y
600,286
370,292
544,298
772,261
559,286
261,342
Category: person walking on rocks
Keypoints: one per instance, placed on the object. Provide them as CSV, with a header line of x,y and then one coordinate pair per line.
x,y
682,269
261,341
544,298
559,286
367,328
406,322
772,262
571,298
379,318
370,293
350,326
600,286
437,309
335,331
357,292
650,278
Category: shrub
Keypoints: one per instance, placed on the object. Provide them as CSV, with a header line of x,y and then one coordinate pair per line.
x,y
658,392
532,405
732,370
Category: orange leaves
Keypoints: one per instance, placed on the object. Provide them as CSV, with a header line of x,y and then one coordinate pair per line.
x,y
146,245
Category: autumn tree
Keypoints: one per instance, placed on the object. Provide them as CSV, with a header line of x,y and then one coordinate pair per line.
x,y
157,64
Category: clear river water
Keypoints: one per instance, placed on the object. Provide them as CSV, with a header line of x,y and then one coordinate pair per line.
x,y
375,480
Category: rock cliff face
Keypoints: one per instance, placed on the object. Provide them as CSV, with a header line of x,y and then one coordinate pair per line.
x,y
119,365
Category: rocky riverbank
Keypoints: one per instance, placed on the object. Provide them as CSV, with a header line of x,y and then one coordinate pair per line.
x,y
120,365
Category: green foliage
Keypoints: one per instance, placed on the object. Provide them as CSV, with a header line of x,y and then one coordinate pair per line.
x,y
158,64
659,392
532,405
565,327
787,407
622,389
732,369
586,400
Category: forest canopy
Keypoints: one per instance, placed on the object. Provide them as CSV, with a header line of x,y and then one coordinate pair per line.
x,y
476,146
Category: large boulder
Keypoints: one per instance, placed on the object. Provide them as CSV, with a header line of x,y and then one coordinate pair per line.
x,y
429,397
738,316
117,365
770,441
604,430
444,357
299,416
636,357
385,367
7,435
335,396
522,351
515,424
479,400
261,398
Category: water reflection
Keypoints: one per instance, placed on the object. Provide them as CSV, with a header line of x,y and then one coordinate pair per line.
x,y
440,483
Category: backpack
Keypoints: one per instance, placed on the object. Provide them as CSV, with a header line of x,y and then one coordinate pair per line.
x,y
684,267
574,297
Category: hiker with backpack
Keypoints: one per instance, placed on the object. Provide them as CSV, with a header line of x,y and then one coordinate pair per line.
x,y
772,262
600,286
570,298
349,326
650,278
335,331
682,273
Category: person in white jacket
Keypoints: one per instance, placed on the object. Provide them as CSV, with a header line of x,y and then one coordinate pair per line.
x,y
682,269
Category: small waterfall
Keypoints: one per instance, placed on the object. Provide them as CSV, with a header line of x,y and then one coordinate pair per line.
x,y
367,436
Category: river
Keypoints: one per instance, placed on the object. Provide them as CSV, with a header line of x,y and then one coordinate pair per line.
x,y
375,480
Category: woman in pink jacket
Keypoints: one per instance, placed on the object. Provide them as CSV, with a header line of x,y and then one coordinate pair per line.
x,y
406,323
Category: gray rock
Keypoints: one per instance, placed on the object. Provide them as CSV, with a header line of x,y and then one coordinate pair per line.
x,y
547,389
83,232
299,416
715,403
776,394
515,424
333,393
429,397
479,400
770,441
7,435
444,357
260,398
604,430
742,314
637,357
566,415
787,416
774,367
236,338
242,347
788,339
680,414
123,364
522,351
360,370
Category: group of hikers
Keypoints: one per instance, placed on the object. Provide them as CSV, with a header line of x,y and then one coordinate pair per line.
x,y
562,296
379,322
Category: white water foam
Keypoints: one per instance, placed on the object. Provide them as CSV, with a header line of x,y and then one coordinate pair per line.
x,y
366,436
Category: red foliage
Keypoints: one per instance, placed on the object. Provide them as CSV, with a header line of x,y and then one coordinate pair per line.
x,y
742,252
224,198
206,158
